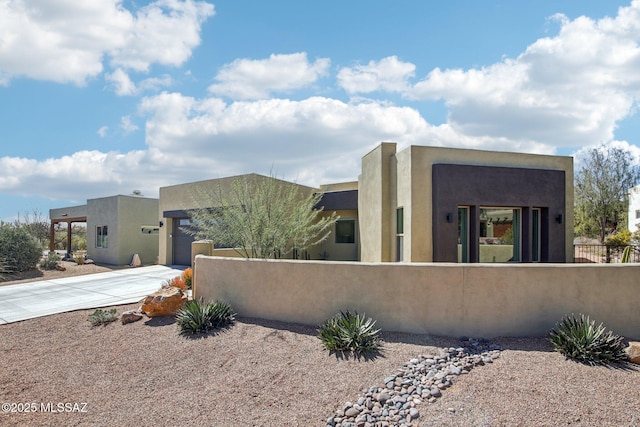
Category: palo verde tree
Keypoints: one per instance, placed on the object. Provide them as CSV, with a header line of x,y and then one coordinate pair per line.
x,y
259,217
602,188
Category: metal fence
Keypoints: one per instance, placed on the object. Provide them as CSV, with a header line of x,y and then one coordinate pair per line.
x,y
603,254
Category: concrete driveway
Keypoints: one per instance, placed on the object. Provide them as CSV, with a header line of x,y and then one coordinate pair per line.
x,y
36,299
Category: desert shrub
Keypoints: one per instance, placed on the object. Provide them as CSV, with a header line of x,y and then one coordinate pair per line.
x,y
621,238
175,282
20,249
198,317
187,277
102,317
350,332
578,338
4,268
50,262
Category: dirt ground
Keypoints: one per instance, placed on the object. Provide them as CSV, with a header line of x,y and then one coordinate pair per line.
x,y
71,269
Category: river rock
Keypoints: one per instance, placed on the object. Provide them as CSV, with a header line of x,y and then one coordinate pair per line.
x,y
130,316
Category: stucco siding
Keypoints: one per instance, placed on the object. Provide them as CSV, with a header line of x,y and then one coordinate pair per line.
x,y
486,300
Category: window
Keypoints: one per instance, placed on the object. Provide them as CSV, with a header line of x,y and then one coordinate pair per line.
x,y
346,231
535,250
102,236
463,234
400,234
499,234
637,213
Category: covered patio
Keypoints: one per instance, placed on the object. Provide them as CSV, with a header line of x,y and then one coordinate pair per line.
x,y
69,216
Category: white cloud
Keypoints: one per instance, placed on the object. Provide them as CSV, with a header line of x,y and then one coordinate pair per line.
x,y
102,132
123,86
127,125
566,90
155,83
389,74
67,41
258,79
569,90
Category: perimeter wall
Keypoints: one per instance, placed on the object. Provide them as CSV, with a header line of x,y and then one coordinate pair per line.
x,y
478,300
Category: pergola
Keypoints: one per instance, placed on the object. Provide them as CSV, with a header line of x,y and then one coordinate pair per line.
x,y
69,221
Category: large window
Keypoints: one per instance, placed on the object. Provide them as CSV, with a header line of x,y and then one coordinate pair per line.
x,y
499,234
102,236
346,231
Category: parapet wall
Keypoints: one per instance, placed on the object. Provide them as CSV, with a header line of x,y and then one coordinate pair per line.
x,y
480,300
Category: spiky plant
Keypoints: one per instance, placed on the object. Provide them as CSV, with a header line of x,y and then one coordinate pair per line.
x,y
198,317
102,317
350,332
578,338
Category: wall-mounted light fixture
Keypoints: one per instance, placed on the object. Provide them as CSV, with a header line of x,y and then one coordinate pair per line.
x,y
449,217
160,223
559,219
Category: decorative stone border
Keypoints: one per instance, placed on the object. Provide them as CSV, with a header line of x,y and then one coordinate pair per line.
x,y
421,379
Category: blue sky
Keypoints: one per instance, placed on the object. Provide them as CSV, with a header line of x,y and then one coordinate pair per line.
x,y
106,97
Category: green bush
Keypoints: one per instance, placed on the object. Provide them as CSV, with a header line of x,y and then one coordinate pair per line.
x,y
198,317
102,317
50,262
20,249
621,238
350,332
4,268
578,338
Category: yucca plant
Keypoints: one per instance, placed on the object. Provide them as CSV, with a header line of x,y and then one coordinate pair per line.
x,y
198,317
578,338
350,332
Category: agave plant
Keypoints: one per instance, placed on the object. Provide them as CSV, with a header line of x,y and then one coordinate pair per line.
x,y
578,338
198,317
349,332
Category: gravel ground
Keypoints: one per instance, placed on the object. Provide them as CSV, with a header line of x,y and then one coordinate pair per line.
x,y
72,269
266,373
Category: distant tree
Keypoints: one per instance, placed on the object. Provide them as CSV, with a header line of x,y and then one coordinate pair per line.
x,y
35,224
259,217
602,187
78,237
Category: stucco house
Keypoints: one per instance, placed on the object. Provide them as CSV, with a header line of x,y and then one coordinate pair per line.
x,y
433,204
117,228
424,204
177,200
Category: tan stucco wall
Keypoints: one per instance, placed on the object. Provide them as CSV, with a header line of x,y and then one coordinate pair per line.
x,y
375,204
404,179
100,212
124,216
190,196
338,251
482,300
68,212
135,212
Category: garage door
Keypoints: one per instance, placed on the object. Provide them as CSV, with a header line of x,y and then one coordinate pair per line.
x,y
181,242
